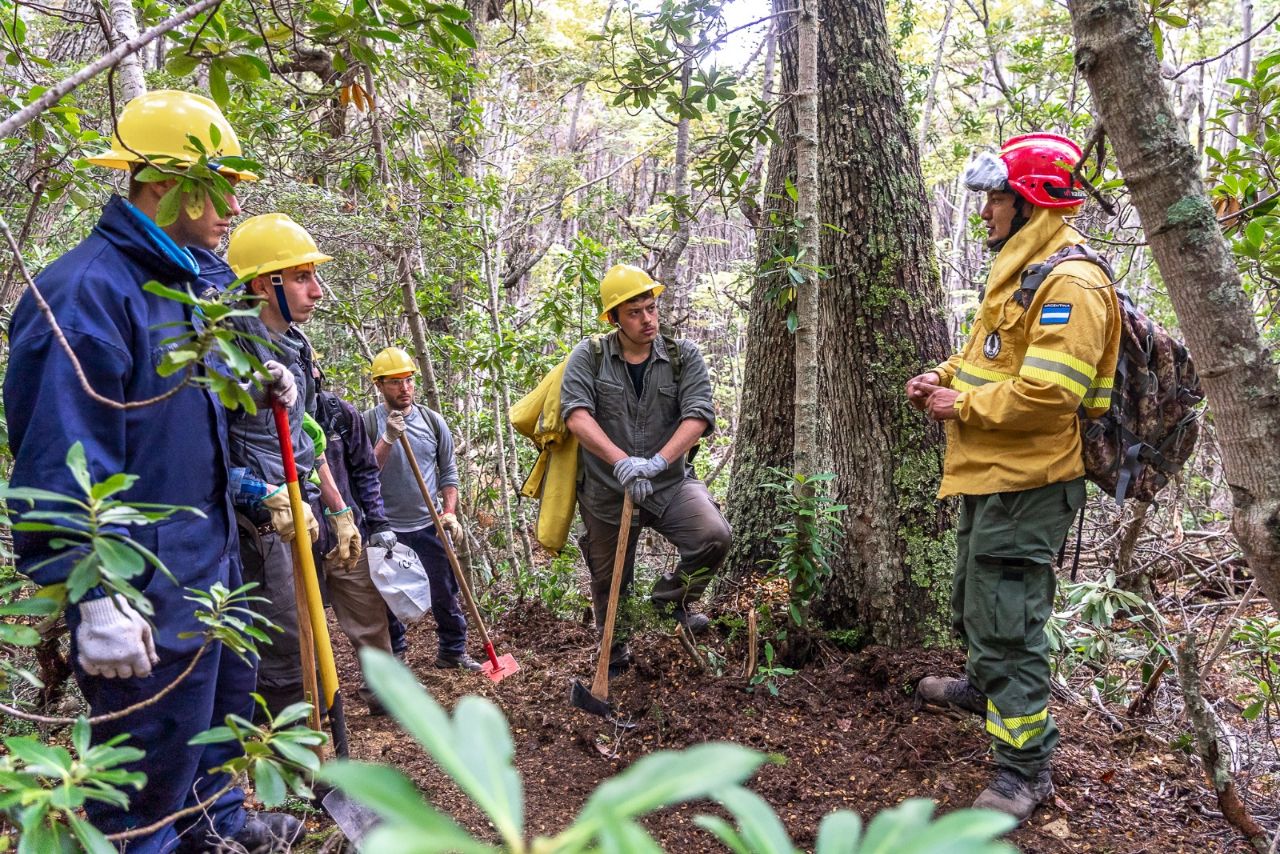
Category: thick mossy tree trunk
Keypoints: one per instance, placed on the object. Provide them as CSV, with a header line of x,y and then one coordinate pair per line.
x,y
1115,53
765,417
884,323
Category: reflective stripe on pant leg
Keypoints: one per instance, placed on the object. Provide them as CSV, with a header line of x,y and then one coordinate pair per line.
x,y
1015,731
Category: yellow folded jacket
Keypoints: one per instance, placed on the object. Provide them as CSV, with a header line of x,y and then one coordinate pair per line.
x,y
554,478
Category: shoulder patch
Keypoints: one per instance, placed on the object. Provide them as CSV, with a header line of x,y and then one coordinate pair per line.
x,y
1055,313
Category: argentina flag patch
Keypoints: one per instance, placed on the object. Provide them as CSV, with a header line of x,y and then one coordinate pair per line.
x,y
1055,313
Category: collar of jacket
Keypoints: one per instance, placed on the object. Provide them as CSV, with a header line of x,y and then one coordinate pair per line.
x,y
142,240
613,348
215,273
1045,233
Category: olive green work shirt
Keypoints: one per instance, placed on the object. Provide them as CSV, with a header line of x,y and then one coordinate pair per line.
x,y
639,425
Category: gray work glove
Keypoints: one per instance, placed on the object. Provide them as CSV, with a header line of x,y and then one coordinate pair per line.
x,y
627,469
113,640
383,540
653,466
452,526
641,488
274,383
395,427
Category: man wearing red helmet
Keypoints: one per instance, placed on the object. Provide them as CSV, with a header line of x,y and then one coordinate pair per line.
x,y
1042,348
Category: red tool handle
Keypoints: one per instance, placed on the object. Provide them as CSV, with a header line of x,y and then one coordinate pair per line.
x,y
286,447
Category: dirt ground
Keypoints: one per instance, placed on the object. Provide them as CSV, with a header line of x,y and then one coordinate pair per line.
x,y
849,730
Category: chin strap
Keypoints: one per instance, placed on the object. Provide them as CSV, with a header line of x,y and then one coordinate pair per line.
x,y
282,301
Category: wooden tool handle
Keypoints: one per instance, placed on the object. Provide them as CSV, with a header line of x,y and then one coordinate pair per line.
x,y
600,685
448,544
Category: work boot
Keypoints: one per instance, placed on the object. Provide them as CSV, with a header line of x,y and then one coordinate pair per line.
x,y
945,691
696,624
620,659
459,661
1012,793
267,832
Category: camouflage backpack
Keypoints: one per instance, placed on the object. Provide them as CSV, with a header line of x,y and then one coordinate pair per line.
x,y
1150,430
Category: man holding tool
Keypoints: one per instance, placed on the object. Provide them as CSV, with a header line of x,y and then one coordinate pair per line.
x,y
411,519
638,401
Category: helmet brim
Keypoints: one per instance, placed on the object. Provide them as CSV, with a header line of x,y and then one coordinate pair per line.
x,y
655,289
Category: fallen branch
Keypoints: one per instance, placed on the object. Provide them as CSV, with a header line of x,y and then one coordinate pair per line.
x,y
1142,703
1201,720
752,640
686,641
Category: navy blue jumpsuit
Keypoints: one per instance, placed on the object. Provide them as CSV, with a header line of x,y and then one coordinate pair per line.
x,y
178,449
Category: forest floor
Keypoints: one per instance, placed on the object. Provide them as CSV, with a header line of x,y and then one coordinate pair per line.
x,y
848,727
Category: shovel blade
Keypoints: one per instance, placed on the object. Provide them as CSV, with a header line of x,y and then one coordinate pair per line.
x,y
506,666
580,697
354,819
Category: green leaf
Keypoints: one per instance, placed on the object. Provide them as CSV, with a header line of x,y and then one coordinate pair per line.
x,y
474,748
167,209
459,32
268,785
219,91
79,466
118,559
839,833
394,797
89,836
760,826
1256,233
724,832
180,64
18,635
665,778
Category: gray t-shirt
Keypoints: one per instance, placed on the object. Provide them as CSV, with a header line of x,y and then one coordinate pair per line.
x,y
432,445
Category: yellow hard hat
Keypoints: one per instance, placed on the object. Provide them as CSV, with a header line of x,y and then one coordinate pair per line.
x,y
392,361
621,283
157,124
271,242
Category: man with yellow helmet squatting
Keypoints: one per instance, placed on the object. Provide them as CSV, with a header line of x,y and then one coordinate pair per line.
x,y
638,401
127,652
1043,347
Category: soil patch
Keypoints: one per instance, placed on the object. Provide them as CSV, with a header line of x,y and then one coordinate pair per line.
x,y
847,730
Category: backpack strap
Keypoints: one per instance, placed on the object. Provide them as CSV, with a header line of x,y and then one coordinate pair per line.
x,y
336,419
1033,277
673,353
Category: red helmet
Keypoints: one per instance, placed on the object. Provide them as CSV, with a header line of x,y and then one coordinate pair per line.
x,y
1039,167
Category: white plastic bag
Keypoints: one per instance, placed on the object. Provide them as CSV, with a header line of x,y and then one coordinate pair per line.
x,y
402,581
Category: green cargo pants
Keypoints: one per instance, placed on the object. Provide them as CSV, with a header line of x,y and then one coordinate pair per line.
x,y
1003,597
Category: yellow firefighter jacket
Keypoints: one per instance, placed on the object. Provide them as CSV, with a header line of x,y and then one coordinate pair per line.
x,y
1025,372
555,474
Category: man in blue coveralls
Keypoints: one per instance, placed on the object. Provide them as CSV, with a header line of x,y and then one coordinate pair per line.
x,y
177,448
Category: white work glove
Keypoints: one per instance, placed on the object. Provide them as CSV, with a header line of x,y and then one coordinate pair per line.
x,y
628,469
113,639
641,488
452,526
653,466
277,503
343,525
383,540
280,382
395,427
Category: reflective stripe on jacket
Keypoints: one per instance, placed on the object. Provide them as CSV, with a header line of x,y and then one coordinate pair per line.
x,y
1025,372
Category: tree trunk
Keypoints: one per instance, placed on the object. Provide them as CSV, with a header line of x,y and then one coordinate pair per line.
x,y
884,316
1115,54
124,26
764,438
677,294
808,410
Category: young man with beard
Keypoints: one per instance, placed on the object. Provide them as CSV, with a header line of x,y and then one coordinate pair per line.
x,y
432,443
638,401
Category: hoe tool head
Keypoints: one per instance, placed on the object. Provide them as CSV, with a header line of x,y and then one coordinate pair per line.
x,y
500,667
580,697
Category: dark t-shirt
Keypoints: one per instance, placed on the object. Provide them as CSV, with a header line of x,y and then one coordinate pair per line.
x,y
637,376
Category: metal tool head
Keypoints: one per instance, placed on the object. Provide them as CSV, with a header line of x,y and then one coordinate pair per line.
x,y
506,665
354,819
580,697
